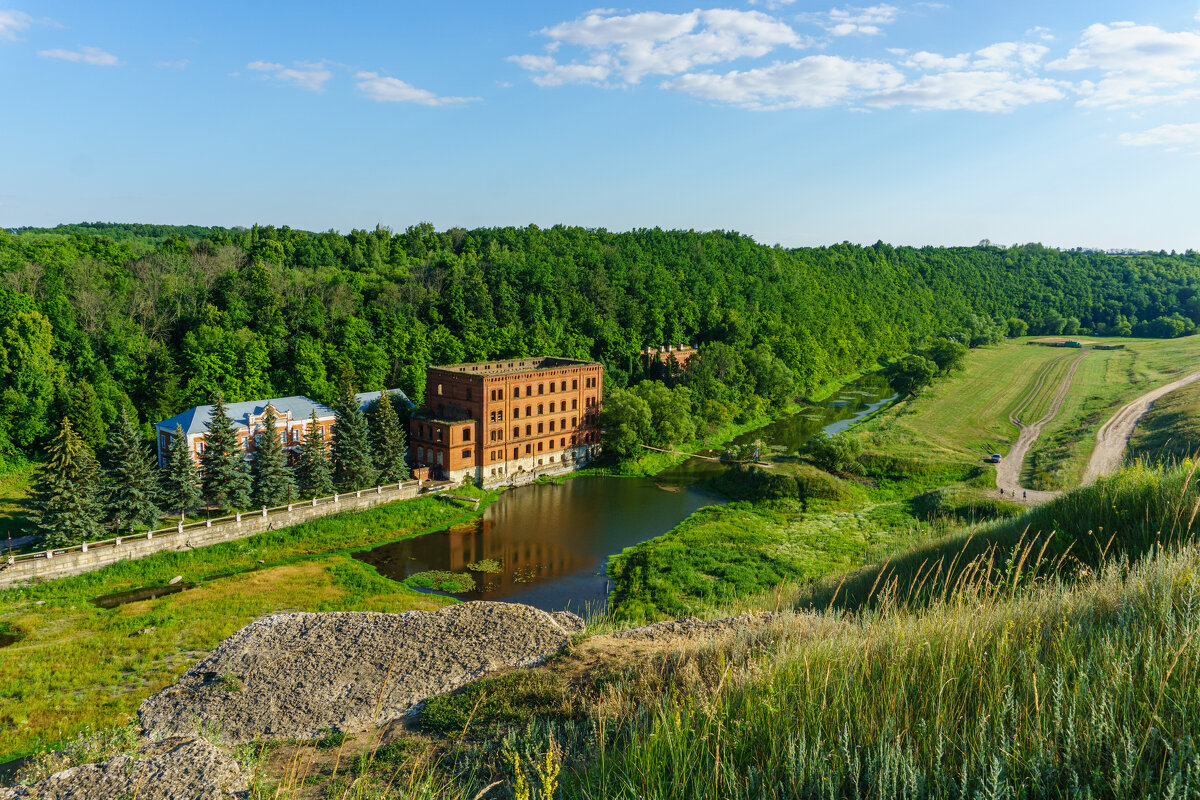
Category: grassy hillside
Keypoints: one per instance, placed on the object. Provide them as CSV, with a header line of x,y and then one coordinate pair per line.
x,y
1170,430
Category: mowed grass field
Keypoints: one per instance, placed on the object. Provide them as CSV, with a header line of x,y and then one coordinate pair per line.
x,y
963,416
1170,430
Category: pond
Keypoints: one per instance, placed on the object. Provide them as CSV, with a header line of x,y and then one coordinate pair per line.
x,y
553,541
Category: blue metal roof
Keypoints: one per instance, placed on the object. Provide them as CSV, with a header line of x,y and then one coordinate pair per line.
x,y
195,420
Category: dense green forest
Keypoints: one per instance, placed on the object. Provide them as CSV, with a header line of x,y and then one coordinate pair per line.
x,y
96,317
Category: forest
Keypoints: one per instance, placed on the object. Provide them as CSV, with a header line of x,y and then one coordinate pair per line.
x,y
102,317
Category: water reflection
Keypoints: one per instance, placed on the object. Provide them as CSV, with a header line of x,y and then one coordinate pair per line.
x,y
553,542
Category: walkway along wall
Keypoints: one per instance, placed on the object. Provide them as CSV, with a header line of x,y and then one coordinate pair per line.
x,y
61,563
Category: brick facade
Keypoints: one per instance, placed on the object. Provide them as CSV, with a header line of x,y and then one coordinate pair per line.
x,y
490,421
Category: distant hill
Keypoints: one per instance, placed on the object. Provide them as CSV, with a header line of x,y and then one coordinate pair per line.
x,y
130,231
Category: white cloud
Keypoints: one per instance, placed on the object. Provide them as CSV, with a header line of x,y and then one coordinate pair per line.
x,y
1005,55
626,48
932,62
177,64
809,82
1139,64
307,75
84,55
974,90
383,89
852,20
12,23
1171,137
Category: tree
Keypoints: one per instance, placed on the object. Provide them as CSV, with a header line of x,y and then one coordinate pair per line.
x,y
226,482
83,408
837,453
353,467
273,482
313,472
181,482
388,440
947,355
671,419
626,422
911,374
63,498
130,479
1017,327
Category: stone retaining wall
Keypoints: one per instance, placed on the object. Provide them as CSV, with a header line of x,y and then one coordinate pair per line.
x,y
92,557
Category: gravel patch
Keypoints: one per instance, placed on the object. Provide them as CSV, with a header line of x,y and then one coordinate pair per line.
x,y
293,676
167,770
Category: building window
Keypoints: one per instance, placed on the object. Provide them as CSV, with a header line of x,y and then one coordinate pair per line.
x,y
574,384
528,411
439,435
466,434
439,458
500,416
200,446
516,392
528,430
516,431
552,426
541,409
493,417
499,394
574,404
516,453
528,449
467,454
552,408
574,422
283,437
562,442
541,388
517,412
439,389
540,427
564,386
420,454
539,449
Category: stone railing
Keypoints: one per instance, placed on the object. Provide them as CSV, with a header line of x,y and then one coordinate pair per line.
x,y
87,556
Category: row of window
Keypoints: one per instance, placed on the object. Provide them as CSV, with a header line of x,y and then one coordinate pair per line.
x,y
497,435
294,436
498,416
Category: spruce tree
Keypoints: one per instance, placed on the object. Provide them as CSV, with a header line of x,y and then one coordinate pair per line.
x,y
353,467
181,481
273,483
313,473
388,440
63,499
226,481
130,479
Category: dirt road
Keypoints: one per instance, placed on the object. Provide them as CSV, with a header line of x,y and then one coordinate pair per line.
x,y
1008,471
1113,436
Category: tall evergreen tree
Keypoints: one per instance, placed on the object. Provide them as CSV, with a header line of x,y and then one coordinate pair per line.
x,y
353,466
63,499
181,481
313,471
388,441
273,482
130,479
226,481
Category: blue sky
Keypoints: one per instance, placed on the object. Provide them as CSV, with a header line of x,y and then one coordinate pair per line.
x,y
799,123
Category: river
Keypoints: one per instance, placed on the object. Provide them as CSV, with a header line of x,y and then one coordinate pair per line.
x,y
553,541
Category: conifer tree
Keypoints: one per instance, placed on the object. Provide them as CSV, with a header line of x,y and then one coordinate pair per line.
x,y
313,472
273,482
226,481
353,466
181,481
130,479
63,498
388,440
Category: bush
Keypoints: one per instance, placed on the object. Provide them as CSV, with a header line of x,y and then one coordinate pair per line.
x,y
837,453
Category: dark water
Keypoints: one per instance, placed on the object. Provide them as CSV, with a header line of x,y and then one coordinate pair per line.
x,y
553,541
8,637
137,595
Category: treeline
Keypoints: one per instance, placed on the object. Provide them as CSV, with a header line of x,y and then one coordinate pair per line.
x,y
154,320
78,493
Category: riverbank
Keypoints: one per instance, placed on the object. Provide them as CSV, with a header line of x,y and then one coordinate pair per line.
x,y
74,665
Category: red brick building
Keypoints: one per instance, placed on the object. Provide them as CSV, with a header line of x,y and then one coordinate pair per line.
x,y
498,422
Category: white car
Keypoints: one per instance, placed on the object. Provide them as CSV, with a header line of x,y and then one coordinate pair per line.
x,y
994,458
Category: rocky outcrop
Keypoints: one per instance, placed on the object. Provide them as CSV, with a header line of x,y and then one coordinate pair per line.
x,y
295,675
167,770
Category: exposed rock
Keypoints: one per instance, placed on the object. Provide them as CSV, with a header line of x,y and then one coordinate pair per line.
x,y
174,580
169,770
693,628
296,675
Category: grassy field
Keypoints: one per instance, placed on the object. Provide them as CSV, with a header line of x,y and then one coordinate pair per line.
x,y
14,488
963,416
1170,430
76,665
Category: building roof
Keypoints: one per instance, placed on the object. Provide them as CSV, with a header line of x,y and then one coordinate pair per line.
x,y
514,365
195,420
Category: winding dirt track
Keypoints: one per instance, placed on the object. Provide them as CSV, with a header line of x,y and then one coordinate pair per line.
x,y
1113,436
1008,471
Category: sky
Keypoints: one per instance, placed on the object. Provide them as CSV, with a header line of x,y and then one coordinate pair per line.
x,y
798,123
